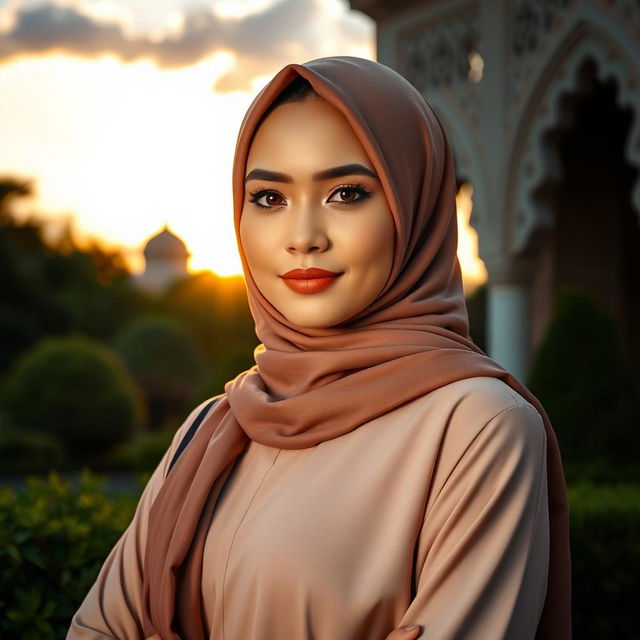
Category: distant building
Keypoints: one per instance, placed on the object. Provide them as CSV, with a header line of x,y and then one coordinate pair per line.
x,y
165,256
541,101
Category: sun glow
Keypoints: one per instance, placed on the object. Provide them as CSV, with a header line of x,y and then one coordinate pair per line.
x,y
474,273
235,9
130,146
117,150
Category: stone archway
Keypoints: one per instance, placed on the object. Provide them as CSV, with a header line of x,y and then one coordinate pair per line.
x,y
594,241
533,161
587,65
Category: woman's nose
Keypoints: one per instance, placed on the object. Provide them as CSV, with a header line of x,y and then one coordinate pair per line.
x,y
307,233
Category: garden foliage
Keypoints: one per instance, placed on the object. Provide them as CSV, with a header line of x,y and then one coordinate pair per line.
x,y
54,537
163,357
585,382
75,389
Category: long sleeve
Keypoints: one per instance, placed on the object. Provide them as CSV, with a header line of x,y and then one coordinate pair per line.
x,y
112,605
483,550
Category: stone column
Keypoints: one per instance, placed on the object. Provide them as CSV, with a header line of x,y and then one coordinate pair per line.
x,y
508,327
509,317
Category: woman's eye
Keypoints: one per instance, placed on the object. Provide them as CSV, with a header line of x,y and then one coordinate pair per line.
x,y
350,194
271,198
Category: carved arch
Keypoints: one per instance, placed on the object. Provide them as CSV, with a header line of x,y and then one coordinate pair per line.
x,y
533,161
468,156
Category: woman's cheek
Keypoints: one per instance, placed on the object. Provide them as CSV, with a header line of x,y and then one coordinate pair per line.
x,y
252,238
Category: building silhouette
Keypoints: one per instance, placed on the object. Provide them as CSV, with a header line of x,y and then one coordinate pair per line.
x,y
166,257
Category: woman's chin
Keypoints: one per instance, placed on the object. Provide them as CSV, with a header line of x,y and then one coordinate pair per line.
x,y
311,320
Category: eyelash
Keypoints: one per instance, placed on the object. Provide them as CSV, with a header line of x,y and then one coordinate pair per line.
x,y
358,188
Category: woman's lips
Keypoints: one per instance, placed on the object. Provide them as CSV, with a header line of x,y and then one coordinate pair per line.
x,y
309,280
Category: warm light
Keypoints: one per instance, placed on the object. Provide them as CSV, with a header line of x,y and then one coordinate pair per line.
x,y
118,148
213,251
8,14
102,11
174,24
127,147
474,272
259,82
476,66
238,8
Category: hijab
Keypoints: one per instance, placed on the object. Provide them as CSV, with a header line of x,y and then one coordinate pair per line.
x,y
314,384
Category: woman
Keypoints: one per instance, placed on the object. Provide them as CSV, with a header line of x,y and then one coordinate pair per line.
x,y
374,469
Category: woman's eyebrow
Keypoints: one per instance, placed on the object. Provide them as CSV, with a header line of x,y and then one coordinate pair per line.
x,y
325,174
344,170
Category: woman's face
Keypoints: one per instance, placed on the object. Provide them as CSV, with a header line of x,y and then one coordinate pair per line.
x,y
313,200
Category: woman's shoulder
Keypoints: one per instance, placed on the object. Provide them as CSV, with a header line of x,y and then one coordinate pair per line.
x,y
485,408
482,397
492,449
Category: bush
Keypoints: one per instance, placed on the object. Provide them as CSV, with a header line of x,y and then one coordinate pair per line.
x,y
600,471
26,451
163,358
231,362
585,381
76,389
605,551
53,540
217,311
141,454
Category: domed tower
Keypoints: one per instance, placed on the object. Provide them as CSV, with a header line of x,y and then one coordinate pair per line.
x,y
166,257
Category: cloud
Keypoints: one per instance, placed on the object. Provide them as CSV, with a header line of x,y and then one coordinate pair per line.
x,y
290,30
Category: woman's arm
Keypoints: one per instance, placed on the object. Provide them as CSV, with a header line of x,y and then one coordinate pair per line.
x,y
111,608
483,551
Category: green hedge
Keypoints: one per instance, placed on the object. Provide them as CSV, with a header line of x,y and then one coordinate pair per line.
x,y
143,453
54,538
26,449
583,377
605,550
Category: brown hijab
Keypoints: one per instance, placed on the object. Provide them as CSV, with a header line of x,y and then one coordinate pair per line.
x,y
314,384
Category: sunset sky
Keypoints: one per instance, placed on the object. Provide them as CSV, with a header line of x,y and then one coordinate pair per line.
x,y
124,113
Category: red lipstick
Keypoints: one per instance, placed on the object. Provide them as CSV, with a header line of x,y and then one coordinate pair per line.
x,y
310,280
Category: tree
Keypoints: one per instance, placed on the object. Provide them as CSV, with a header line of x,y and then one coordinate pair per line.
x,y
55,287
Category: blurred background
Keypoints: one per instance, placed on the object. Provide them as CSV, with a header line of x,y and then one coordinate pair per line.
x,y
122,302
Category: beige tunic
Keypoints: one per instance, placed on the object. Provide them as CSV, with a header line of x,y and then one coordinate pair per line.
x,y
434,513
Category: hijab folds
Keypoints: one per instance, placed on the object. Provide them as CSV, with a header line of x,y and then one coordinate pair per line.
x,y
314,384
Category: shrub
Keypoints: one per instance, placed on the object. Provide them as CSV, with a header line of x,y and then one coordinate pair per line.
x,y
600,471
142,453
230,362
217,311
53,540
76,389
162,356
585,381
27,451
605,551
